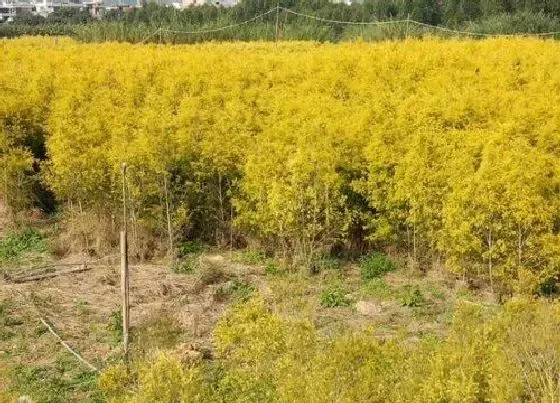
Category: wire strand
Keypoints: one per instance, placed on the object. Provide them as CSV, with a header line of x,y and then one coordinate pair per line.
x,y
483,33
220,28
277,9
342,22
374,23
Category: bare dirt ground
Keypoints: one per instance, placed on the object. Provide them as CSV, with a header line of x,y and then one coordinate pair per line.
x,y
80,305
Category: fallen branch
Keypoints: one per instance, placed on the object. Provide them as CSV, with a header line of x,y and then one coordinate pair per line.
x,y
78,356
25,279
44,269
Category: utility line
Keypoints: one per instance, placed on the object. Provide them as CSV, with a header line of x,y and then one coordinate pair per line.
x,y
407,21
220,28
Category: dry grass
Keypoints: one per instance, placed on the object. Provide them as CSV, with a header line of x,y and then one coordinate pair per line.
x,y
81,308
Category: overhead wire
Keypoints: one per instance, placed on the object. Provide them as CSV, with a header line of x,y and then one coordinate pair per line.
x,y
407,21
205,31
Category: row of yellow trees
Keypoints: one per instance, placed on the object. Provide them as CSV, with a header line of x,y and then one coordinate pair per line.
x,y
446,149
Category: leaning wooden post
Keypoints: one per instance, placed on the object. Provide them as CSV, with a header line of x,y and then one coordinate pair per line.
x,y
124,272
276,25
407,22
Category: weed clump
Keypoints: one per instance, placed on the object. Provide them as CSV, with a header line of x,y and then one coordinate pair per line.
x,y
250,257
411,296
241,290
374,265
332,298
186,266
188,248
115,326
272,269
18,243
238,289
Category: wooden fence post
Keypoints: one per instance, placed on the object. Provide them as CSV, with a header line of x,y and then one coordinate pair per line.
x,y
124,292
124,273
276,24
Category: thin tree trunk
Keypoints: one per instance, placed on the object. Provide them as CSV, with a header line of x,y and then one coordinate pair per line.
x,y
519,245
86,238
168,216
230,228
134,227
327,209
6,182
414,241
490,268
220,235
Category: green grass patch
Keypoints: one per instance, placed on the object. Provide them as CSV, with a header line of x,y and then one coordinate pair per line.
x,y
335,297
241,290
272,268
61,382
411,296
374,265
115,326
249,257
16,244
188,248
377,288
238,289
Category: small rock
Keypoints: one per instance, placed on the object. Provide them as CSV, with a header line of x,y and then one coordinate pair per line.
x,y
368,308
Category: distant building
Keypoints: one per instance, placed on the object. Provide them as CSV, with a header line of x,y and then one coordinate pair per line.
x,y
95,7
188,3
46,7
10,8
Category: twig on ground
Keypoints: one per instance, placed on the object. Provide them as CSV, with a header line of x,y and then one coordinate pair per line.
x,y
78,356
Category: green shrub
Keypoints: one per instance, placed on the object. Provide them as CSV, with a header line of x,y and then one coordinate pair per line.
x,y
549,287
332,298
271,268
115,380
188,248
374,265
241,290
16,244
411,296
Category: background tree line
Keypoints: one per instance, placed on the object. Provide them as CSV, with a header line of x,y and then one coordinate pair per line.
x,y
490,16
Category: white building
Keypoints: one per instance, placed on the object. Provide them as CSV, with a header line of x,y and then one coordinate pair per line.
x,y
9,10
